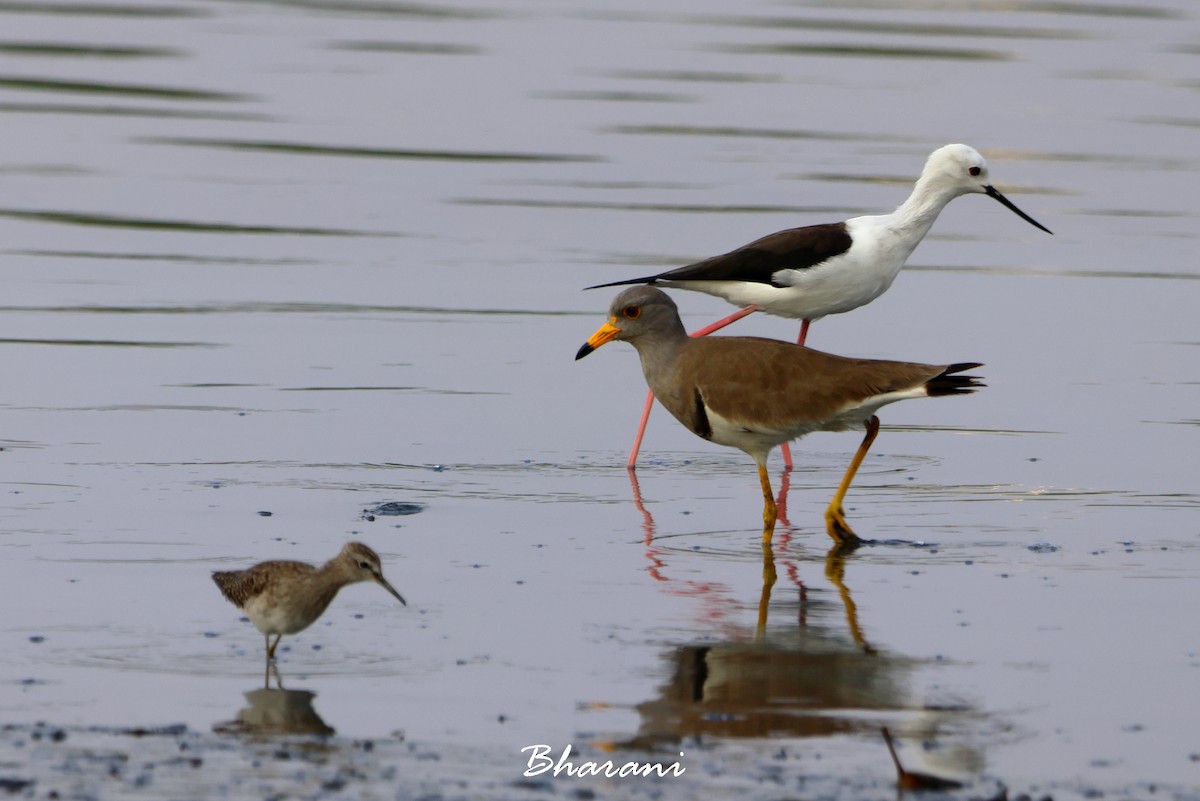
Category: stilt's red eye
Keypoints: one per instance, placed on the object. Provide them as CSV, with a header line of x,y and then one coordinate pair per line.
x,y
974,170
632,312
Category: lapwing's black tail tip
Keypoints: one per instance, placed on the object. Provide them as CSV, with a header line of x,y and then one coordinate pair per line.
x,y
948,382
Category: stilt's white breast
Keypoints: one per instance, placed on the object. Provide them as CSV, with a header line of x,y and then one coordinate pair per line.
x,y
851,279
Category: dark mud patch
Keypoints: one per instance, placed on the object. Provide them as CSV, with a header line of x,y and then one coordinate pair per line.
x,y
47,761
392,509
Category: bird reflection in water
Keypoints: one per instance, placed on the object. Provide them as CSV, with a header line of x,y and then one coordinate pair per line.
x,y
277,711
835,566
805,676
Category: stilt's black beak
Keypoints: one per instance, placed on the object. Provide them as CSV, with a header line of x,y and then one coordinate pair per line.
x,y
993,192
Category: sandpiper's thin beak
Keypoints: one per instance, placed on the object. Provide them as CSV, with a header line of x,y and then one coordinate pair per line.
x,y
604,334
382,582
994,193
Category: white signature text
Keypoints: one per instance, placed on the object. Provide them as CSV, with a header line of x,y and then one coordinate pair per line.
x,y
540,762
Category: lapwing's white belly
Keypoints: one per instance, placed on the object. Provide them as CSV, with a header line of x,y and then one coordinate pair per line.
x,y
759,438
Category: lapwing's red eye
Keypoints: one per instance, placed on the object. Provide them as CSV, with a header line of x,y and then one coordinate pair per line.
x,y
632,312
974,170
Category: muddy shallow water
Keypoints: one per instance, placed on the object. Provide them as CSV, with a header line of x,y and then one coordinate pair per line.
x,y
269,265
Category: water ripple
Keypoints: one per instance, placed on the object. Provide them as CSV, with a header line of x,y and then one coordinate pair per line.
x,y
131,111
100,9
69,50
96,220
123,89
303,149
869,51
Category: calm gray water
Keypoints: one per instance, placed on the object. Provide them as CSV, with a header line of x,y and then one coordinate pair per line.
x,y
306,257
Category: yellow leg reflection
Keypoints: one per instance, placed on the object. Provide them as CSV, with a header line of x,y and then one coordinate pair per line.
x,y
835,515
835,571
764,600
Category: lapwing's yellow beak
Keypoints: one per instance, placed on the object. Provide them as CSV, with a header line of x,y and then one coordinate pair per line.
x,y
606,333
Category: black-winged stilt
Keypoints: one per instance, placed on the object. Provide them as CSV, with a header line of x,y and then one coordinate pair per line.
x,y
810,272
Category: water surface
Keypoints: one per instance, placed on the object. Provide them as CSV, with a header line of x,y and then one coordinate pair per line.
x,y
305,258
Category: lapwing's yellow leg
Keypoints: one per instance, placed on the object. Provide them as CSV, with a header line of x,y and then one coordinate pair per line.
x,y
770,513
835,515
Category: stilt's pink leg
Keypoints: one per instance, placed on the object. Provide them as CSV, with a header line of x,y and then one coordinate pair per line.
x,y
724,321
786,450
708,329
641,431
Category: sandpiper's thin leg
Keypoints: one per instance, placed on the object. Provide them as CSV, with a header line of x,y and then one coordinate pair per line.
x,y
705,331
835,515
770,513
272,646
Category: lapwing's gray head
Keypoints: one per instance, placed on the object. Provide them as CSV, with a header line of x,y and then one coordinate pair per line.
x,y
365,565
961,170
636,312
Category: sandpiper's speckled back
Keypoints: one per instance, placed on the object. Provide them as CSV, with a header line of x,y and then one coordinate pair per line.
x,y
284,597
239,586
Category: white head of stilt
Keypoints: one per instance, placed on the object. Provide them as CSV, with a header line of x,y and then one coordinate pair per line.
x,y
950,171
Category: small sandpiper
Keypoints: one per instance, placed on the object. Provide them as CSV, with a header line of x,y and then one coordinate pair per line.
x,y
283,597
